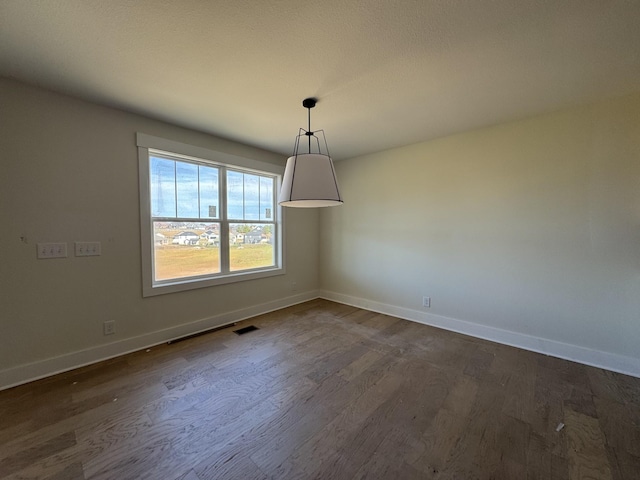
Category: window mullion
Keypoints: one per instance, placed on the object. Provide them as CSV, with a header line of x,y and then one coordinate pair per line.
x,y
260,199
199,210
175,185
224,222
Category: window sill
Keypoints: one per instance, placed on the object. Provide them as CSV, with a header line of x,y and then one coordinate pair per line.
x,y
195,283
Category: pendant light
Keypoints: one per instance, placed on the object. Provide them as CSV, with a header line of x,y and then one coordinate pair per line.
x,y
309,178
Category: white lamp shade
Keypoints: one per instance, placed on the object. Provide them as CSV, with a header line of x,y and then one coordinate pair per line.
x,y
309,181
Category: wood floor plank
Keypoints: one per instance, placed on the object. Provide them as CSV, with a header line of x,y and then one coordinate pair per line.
x,y
270,434
73,471
49,466
478,363
325,391
24,458
620,425
222,443
559,468
613,386
190,475
624,466
423,388
360,364
520,390
282,441
587,453
322,448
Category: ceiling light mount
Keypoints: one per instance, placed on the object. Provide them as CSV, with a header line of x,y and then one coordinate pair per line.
x,y
310,178
309,102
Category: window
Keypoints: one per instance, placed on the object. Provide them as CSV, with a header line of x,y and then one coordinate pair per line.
x,y
204,220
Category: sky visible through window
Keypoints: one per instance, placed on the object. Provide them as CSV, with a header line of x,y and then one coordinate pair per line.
x,y
188,190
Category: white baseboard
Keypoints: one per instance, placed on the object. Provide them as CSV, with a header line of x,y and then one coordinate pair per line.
x,y
575,353
33,371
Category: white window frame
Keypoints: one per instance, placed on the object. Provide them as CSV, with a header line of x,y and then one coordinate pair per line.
x,y
148,143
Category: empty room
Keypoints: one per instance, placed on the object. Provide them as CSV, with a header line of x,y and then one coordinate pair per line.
x,y
319,240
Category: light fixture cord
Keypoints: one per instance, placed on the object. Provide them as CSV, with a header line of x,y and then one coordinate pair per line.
x,y
309,134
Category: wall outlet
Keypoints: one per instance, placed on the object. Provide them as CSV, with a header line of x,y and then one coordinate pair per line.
x,y
52,250
109,327
426,302
294,286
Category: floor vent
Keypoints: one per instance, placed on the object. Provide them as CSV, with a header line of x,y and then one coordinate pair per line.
x,y
242,331
211,330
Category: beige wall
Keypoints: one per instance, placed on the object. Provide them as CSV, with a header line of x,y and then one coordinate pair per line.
x,y
68,172
531,227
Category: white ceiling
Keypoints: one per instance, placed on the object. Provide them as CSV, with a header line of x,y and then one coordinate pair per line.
x,y
387,73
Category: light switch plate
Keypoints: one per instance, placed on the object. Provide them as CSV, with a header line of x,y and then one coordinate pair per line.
x,y
52,250
87,249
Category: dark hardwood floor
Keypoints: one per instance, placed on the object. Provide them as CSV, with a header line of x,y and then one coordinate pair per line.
x,y
325,391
